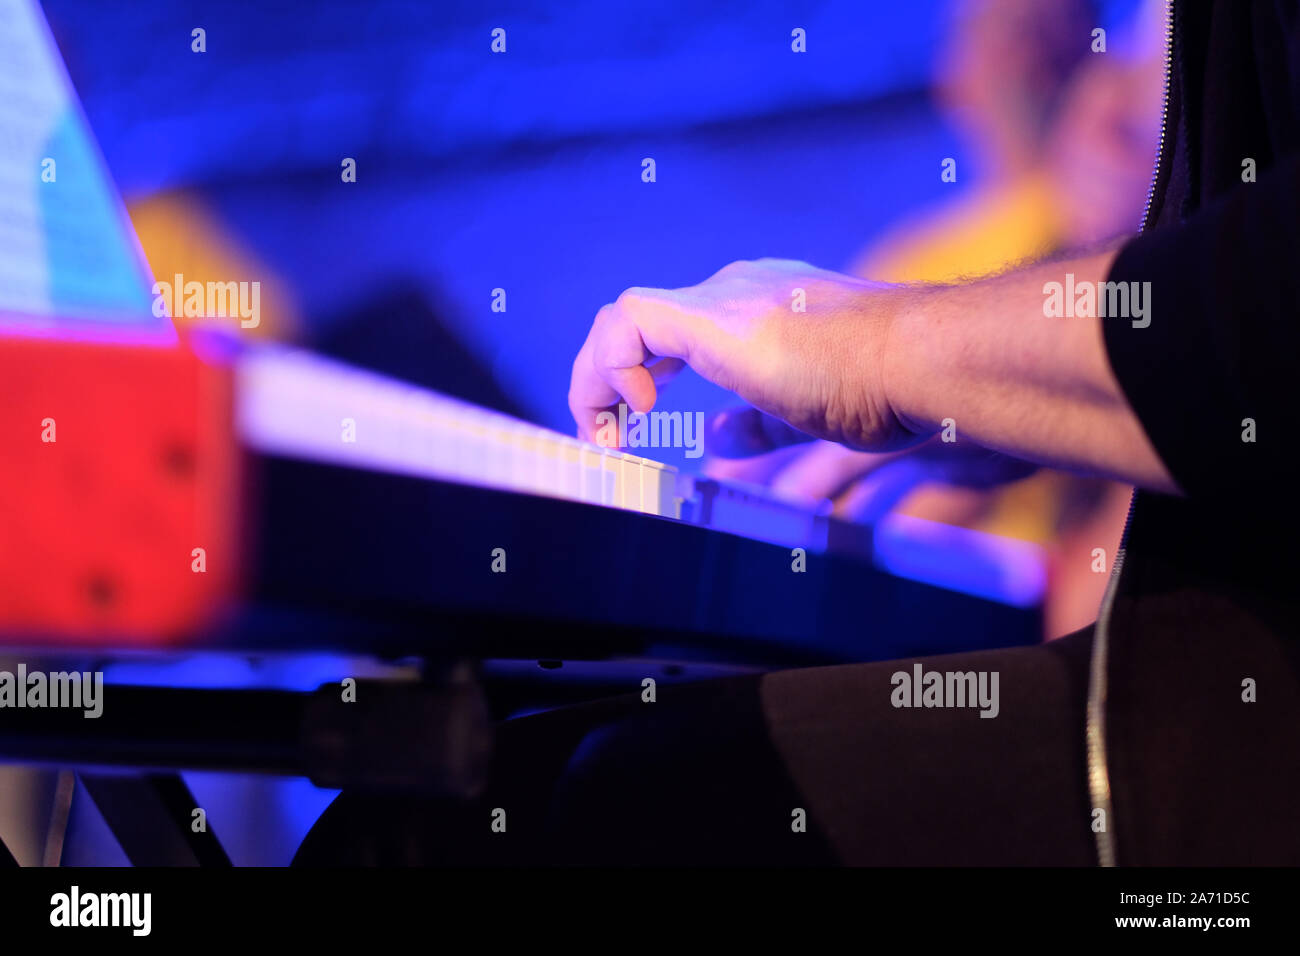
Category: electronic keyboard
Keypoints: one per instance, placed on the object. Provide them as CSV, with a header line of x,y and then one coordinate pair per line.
x,y
222,495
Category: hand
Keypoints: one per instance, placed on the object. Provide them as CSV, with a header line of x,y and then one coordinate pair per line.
x,y
818,372
880,368
862,486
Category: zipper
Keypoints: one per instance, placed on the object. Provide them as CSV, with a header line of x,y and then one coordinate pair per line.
x,y
1098,770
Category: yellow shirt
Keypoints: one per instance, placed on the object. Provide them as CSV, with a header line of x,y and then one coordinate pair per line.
x,y
978,234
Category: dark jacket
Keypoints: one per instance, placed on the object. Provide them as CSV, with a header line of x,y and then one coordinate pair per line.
x,y
1205,604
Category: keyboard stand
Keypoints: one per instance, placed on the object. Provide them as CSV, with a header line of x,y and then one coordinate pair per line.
x,y
430,736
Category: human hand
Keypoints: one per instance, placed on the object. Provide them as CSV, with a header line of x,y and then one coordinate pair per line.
x,y
818,371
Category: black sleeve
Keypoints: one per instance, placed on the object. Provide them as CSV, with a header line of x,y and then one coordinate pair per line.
x,y
1223,344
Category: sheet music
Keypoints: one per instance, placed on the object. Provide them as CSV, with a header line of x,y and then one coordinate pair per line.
x,y
67,254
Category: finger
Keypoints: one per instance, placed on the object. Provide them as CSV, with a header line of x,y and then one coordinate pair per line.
x,y
826,470
608,370
645,326
664,370
882,491
589,394
743,431
756,470
619,355
968,465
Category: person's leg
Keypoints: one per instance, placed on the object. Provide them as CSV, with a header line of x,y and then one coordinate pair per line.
x,y
946,786
804,766
712,777
529,755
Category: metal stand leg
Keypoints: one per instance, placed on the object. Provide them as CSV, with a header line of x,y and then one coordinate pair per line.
x,y
151,815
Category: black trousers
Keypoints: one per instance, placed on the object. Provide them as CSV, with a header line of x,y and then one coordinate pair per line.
x,y
813,766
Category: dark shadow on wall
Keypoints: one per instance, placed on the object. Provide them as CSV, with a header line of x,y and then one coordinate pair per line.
x,y
401,335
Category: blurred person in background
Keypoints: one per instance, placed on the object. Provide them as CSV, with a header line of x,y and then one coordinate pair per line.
x,y
1063,142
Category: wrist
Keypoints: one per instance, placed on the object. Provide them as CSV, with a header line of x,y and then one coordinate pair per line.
x,y
905,369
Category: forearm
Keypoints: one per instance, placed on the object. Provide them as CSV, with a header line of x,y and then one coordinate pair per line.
x,y
984,355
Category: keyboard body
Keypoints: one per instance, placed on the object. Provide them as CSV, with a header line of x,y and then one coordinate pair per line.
x,y
222,497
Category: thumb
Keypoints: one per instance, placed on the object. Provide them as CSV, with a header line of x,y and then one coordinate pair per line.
x,y
742,432
882,491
